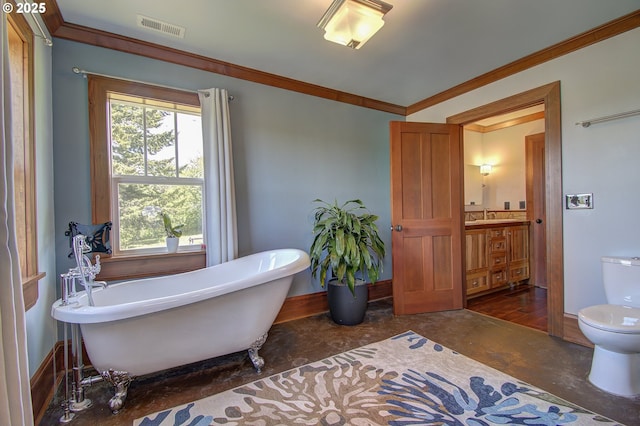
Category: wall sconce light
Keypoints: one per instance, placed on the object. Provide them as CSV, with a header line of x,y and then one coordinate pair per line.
x,y
353,22
485,169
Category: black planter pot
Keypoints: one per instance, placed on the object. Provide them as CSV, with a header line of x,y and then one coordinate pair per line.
x,y
344,308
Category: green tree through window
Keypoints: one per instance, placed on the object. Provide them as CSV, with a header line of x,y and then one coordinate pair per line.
x,y
156,162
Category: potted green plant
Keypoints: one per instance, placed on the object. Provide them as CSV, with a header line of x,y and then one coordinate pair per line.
x,y
346,245
173,233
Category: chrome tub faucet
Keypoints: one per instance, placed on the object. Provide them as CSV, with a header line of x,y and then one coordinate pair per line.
x,y
84,271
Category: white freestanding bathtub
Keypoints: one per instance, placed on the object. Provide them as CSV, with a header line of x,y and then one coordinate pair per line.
x,y
147,325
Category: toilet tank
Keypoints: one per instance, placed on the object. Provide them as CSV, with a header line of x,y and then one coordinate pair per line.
x,y
621,278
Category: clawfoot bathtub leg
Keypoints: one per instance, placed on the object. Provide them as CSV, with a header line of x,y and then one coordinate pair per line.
x,y
120,380
258,361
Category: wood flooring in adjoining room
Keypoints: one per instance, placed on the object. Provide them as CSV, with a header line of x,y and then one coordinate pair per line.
x,y
525,305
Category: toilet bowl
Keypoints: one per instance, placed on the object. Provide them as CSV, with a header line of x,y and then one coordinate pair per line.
x,y
614,328
615,332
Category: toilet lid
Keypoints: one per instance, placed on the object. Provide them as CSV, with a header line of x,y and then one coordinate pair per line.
x,y
615,318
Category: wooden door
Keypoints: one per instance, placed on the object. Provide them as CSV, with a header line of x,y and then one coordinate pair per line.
x,y
535,184
426,215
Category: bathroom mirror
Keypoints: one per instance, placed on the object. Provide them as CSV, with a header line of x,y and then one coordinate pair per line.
x,y
472,185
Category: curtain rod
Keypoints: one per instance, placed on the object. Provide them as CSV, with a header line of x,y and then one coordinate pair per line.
x,y
84,73
44,36
587,123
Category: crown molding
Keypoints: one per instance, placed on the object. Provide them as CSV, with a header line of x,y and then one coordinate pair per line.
x,y
610,29
60,29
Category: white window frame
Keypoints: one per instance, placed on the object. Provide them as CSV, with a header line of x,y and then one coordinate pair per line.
x,y
115,236
152,180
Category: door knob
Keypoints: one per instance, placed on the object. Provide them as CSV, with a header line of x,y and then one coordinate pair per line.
x,y
398,228
538,220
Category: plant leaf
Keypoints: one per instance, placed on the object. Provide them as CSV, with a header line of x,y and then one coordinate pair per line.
x,y
340,241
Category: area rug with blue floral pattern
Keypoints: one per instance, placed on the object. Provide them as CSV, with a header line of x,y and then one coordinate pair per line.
x,y
405,380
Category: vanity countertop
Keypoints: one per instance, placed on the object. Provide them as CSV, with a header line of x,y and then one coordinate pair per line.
x,y
493,223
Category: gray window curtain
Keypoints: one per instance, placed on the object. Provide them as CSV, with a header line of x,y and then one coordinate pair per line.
x,y
221,236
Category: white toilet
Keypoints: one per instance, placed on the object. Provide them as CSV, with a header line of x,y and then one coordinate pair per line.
x,y
614,328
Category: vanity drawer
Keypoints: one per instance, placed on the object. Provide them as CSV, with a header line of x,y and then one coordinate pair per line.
x,y
497,245
498,278
496,232
518,273
498,260
477,283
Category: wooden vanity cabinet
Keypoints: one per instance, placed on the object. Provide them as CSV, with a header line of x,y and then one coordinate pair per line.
x,y
496,257
498,261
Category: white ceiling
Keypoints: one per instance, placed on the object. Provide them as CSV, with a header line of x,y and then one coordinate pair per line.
x,y
425,47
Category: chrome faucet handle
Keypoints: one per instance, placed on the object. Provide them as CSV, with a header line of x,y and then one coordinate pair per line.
x,y
88,269
97,267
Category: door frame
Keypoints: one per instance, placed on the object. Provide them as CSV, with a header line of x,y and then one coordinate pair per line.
x,y
549,96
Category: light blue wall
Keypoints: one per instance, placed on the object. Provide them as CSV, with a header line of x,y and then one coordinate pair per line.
x,y
289,149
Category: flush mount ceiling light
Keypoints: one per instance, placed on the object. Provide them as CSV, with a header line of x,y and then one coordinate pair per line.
x,y
353,22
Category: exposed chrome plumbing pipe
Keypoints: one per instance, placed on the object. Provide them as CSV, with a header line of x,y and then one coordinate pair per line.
x,y
78,400
67,415
86,272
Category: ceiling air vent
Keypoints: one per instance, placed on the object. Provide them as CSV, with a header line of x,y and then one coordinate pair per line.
x,y
160,26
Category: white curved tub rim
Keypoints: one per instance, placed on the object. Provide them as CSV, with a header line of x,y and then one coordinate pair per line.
x,y
79,311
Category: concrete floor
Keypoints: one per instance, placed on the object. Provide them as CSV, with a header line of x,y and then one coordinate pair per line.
x,y
532,356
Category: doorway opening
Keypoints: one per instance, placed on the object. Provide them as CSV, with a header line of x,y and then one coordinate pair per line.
x,y
504,181
549,97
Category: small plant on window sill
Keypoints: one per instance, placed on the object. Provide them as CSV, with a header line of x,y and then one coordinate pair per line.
x,y
169,229
173,233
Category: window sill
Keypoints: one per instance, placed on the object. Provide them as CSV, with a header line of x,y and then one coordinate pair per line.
x,y
141,266
30,289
